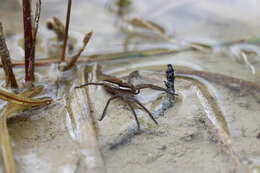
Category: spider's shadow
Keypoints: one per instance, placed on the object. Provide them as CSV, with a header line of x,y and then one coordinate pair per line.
x,y
127,137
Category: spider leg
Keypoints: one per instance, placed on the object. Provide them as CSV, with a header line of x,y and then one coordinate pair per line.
x,y
90,83
133,111
151,86
146,110
143,86
105,109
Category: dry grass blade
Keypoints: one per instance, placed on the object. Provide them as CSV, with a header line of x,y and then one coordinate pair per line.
x,y
6,148
72,61
200,46
10,109
6,61
20,100
227,81
145,24
149,25
27,94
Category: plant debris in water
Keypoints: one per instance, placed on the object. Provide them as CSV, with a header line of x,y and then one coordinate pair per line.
x,y
169,83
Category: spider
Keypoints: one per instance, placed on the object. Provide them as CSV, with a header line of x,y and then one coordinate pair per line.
x,y
126,91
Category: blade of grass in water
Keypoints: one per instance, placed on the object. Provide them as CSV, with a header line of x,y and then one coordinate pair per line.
x,y
18,99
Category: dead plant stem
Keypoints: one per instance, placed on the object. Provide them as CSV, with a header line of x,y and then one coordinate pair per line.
x,y
6,61
31,67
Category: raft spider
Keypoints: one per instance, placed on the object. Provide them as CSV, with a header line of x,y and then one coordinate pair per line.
x,y
126,91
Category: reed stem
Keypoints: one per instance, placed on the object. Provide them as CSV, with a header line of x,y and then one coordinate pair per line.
x,y
66,32
28,41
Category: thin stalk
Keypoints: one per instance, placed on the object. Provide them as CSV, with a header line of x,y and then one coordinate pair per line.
x,y
66,32
6,61
31,68
28,39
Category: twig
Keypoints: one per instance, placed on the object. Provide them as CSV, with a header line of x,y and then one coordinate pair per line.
x,y
66,32
6,61
71,62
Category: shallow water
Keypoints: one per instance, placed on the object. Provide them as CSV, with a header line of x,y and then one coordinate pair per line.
x,y
212,125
